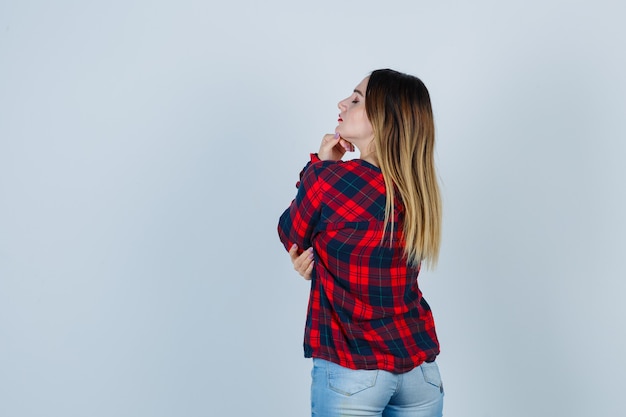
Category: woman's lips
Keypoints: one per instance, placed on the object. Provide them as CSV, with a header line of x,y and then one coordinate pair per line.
x,y
340,119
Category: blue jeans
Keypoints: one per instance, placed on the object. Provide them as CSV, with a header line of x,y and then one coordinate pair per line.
x,y
338,391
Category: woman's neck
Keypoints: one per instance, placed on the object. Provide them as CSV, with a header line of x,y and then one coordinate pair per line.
x,y
371,158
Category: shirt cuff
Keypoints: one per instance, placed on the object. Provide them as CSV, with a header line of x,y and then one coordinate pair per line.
x,y
313,158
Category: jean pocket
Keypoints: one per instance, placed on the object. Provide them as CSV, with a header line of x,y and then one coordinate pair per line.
x,y
350,381
432,375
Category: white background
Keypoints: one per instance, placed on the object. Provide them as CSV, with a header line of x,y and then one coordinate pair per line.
x,y
147,149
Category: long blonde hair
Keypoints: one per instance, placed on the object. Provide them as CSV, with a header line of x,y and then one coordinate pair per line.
x,y
399,110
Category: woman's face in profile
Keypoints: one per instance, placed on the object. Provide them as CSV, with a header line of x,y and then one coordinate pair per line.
x,y
354,126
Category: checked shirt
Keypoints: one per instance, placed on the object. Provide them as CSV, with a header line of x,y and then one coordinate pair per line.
x,y
365,308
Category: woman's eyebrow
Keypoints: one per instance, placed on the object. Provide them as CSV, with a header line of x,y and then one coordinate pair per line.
x,y
359,92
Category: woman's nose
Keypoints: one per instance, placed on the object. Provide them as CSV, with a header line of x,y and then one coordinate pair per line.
x,y
341,105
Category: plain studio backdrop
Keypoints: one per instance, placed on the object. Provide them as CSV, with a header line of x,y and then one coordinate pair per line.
x,y
147,149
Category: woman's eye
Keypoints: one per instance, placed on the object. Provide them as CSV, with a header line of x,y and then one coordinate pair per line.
x,y
355,101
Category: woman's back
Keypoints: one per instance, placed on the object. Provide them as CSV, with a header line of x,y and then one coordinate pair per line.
x,y
366,310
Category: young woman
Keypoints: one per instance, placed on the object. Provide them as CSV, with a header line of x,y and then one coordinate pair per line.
x,y
366,225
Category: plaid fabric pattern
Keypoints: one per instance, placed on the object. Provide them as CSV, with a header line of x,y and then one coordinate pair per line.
x,y
365,308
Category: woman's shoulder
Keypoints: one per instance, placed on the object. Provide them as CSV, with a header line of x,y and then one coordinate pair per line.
x,y
339,176
352,166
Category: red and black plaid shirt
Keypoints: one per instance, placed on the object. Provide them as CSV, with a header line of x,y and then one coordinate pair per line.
x,y
365,308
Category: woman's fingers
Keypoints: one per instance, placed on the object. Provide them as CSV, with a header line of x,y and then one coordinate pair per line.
x,y
302,263
308,272
293,252
329,149
333,147
348,146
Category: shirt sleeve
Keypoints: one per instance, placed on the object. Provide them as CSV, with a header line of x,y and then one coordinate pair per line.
x,y
298,222
314,158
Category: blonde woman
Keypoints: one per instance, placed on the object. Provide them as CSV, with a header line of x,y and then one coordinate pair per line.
x,y
366,226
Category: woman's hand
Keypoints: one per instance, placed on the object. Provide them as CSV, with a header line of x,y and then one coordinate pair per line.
x,y
302,263
333,147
